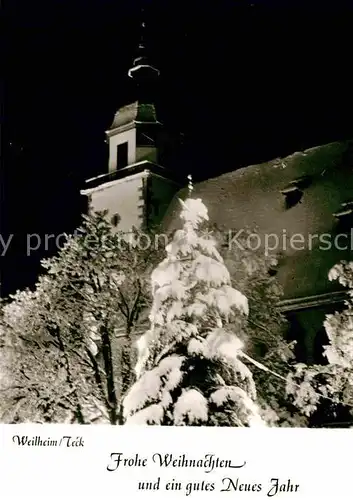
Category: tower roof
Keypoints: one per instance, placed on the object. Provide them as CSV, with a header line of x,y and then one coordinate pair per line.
x,y
133,114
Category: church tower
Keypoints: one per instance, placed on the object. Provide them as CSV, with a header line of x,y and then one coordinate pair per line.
x,y
136,190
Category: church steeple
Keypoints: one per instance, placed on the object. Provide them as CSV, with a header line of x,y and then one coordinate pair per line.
x,y
137,190
145,76
133,135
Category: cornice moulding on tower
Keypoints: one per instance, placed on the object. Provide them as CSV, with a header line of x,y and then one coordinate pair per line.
x,y
143,169
108,184
121,128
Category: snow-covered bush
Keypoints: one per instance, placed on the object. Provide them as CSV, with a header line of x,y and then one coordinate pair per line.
x,y
66,347
310,386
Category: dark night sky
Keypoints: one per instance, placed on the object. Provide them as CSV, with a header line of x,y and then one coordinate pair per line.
x,y
244,81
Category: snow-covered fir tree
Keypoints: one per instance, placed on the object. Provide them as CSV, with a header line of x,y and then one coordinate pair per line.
x,y
190,368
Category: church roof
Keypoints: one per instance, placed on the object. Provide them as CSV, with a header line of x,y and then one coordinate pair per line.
x,y
134,113
252,197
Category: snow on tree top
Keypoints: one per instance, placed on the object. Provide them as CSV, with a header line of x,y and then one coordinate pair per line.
x,y
193,211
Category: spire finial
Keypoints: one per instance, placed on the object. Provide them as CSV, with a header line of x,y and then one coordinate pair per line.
x,y
141,67
190,184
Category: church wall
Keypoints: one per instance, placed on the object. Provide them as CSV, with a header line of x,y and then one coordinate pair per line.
x,y
160,192
122,197
145,153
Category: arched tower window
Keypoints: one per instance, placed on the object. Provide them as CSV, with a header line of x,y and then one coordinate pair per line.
x,y
122,155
